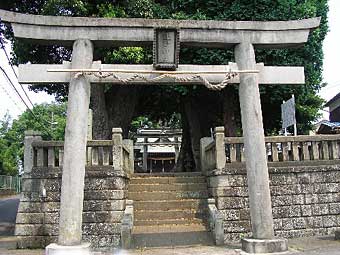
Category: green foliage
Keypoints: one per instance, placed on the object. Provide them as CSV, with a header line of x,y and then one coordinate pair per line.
x,y
50,120
310,56
128,55
142,122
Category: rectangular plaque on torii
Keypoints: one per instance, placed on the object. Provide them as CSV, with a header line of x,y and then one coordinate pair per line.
x,y
166,48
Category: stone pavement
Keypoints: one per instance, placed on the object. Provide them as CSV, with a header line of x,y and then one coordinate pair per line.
x,y
300,246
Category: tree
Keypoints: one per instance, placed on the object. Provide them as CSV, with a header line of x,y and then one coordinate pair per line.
x,y
118,105
49,119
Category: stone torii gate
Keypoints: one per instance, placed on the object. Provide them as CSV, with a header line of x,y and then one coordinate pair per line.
x,y
87,33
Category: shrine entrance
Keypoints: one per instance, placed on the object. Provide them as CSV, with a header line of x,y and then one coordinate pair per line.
x,y
166,35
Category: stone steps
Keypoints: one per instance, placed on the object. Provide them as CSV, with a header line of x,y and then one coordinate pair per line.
x,y
167,187
169,228
171,214
155,223
172,239
166,180
165,205
169,209
8,242
167,195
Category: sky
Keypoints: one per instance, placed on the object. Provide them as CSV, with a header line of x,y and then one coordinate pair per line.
x,y
331,49
12,104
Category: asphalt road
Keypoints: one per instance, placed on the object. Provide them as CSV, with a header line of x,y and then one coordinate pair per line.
x,y
8,209
8,213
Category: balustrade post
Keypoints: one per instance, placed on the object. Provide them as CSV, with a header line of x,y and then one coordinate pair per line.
x,y
305,150
117,148
50,157
220,148
177,149
30,137
145,154
205,161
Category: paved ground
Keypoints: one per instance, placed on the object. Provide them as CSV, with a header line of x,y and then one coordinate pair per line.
x,y
301,246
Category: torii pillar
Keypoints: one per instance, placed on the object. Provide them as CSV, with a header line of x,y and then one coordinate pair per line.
x,y
256,164
73,174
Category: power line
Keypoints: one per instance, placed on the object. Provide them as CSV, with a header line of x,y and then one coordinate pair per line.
x,y
9,61
11,98
34,116
11,83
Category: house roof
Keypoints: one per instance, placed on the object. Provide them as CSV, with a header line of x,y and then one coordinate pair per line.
x,y
333,100
327,127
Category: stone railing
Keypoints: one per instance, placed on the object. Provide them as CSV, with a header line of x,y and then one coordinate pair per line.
x,y
106,210
116,152
289,148
215,220
212,152
222,151
127,225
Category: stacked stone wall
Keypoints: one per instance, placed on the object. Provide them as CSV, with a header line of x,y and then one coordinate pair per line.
x,y
305,200
104,204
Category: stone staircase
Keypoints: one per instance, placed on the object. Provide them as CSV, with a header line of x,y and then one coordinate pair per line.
x,y
170,209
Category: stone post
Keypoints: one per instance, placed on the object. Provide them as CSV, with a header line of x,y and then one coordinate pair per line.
x,y
129,144
89,136
145,155
220,148
30,137
216,222
255,153
177,149
72,189
204,160
117,149
127,225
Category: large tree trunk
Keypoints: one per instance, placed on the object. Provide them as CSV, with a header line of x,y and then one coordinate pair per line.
x,y
185,162
113,108
198,115
100,124
194,127
230,111
121,102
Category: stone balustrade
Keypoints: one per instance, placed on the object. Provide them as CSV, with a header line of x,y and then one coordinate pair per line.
x,y
304,179
108,168
99,153
289,148
279,149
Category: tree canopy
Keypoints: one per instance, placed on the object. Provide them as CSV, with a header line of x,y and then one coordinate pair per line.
x,y
198,108
49,119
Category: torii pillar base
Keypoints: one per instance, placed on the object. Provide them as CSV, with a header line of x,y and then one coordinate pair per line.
x,y
250,245
55,249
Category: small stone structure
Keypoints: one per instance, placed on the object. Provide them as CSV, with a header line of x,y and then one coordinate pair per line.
x,y
304,174
105,192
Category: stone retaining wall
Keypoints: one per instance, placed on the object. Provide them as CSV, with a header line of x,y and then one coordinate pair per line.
x,y
104,205
305,200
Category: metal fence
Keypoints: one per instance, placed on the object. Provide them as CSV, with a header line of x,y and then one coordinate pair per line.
x,y
8,182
